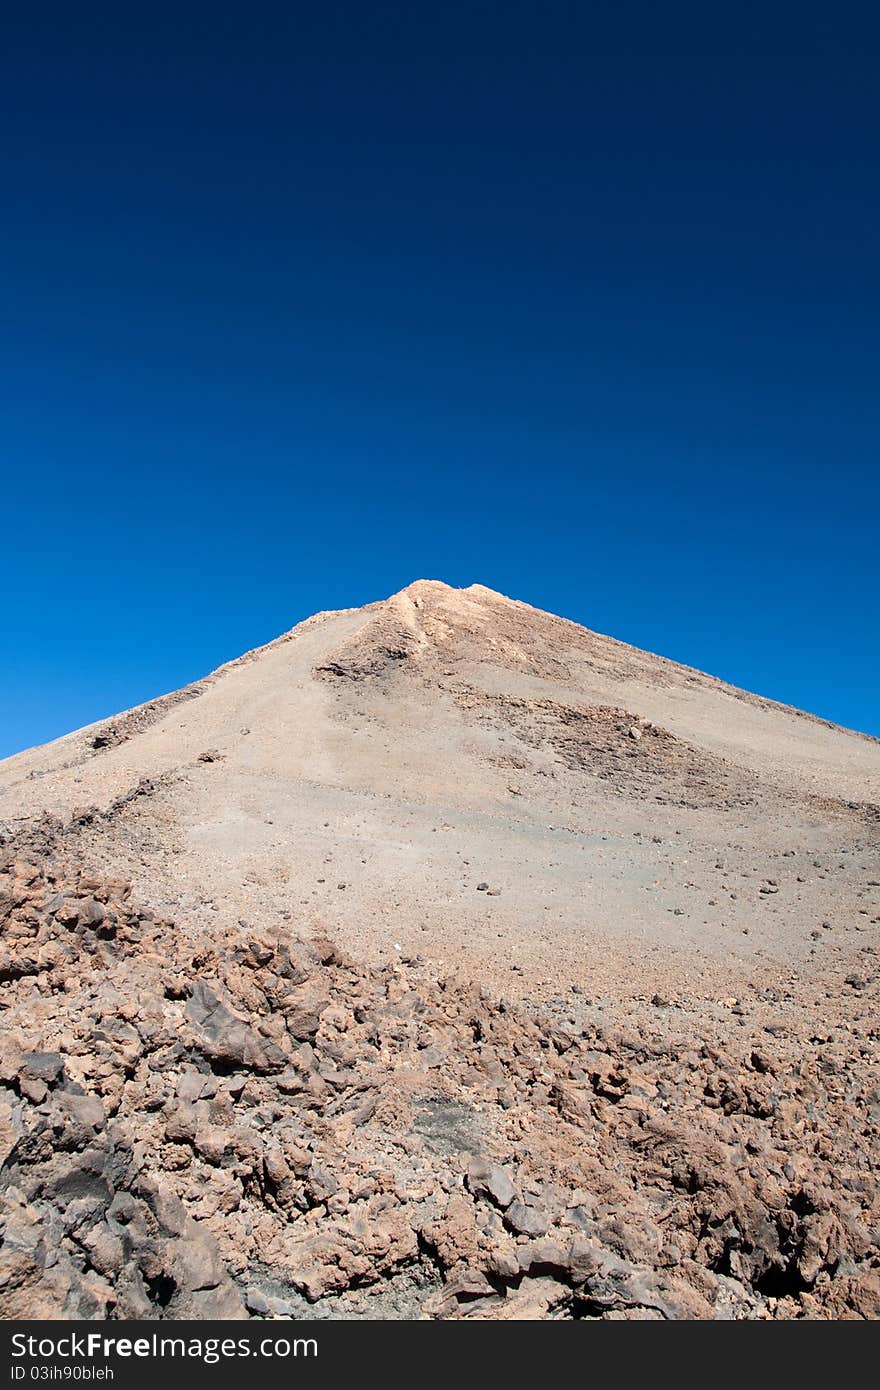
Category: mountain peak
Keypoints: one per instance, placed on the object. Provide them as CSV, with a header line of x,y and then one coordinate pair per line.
x,y
424,588
421,591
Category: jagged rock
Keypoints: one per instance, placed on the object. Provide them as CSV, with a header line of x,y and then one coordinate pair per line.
x,y
41,1066
226,1038
488,1179
526,1220
302,1009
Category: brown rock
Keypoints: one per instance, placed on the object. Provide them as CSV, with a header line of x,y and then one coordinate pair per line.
x,y
486,1179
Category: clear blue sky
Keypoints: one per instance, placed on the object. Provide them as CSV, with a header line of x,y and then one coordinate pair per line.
x,y
300,303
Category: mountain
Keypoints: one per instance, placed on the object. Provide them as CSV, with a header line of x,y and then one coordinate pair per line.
x,y
625,811
442,957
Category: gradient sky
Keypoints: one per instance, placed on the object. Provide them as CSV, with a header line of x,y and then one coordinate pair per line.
x,y
300,303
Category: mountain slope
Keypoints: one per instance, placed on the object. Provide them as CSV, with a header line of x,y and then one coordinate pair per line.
x,y
624,811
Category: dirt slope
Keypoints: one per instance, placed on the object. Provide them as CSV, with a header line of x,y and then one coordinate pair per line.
x,y
625,812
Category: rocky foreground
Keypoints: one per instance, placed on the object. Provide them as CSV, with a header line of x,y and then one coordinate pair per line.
x,y
250,1125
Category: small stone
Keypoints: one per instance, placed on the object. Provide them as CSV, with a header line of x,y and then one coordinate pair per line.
x,y
42,1066
91,913
33,1090
88,1110
432,1057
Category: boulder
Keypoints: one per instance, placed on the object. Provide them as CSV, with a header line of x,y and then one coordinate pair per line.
x,y
225,1038
486,1179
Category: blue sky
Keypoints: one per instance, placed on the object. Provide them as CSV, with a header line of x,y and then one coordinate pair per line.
x,y
302,303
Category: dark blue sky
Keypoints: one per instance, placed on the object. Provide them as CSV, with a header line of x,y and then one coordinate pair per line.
x,y
300,303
